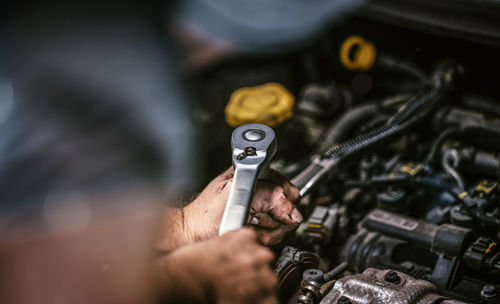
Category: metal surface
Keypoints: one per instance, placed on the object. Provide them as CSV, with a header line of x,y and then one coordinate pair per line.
x,y
450,162
311,175
290,268
373,286
310,293
253,146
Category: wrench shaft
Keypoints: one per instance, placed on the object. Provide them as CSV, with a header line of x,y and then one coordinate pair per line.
x,y
240,198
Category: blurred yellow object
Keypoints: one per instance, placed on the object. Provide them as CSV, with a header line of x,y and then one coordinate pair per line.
x,y
362,58
269,104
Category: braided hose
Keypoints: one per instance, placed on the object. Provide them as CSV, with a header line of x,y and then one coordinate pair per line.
x,y
404,118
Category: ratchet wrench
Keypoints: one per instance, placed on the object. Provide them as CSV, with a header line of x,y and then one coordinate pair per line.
x,y
253,147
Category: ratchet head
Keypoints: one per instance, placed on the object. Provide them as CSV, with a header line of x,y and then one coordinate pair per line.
x,y
253,147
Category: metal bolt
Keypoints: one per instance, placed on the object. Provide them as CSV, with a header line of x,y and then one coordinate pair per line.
x,y
489,292
254,135
344,300
310,293
250,151
392,277
298,258
313,275
304,299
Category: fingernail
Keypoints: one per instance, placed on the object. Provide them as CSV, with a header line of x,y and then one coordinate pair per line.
x,y
254,221
296,216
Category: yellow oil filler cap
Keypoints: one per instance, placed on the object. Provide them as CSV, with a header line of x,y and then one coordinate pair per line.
x,y
269,104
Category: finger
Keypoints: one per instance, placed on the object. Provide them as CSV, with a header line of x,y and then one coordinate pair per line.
x,y
271,199
268,283
263,256
255,285
273,237
282,209
270,279
242,234
264,286
223,181
290,190
228,174
264,220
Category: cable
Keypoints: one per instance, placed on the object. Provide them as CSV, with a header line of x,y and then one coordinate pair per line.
x,y
351,119
393,64
332,274
414,111
439,141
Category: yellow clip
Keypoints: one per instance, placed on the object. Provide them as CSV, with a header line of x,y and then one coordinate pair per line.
x,y
363,56
462,195
412,171
490,247
314,226
483,186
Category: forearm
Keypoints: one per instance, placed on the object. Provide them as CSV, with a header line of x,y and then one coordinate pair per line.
x,y
174,230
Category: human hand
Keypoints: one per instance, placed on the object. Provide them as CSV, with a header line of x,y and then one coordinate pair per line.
x,y
232,268
272,212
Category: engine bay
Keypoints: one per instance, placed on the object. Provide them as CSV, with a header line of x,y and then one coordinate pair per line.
x,y
364,138
394,144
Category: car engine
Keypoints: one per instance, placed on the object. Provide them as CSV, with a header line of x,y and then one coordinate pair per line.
x,y
394,144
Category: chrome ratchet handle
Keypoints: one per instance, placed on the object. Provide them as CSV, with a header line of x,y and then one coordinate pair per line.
x,y
253,147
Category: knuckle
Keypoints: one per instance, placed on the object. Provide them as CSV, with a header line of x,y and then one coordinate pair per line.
x,y
266,254
278,191
294,192
293,188
247,233
266,239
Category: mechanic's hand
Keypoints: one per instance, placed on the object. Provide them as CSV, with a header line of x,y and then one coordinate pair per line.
x,y
272,212
232,268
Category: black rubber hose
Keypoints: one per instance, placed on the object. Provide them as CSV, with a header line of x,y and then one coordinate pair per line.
x,y
395,124
390,63
346,124
415,110
352,147
352,118
332,274
406,116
